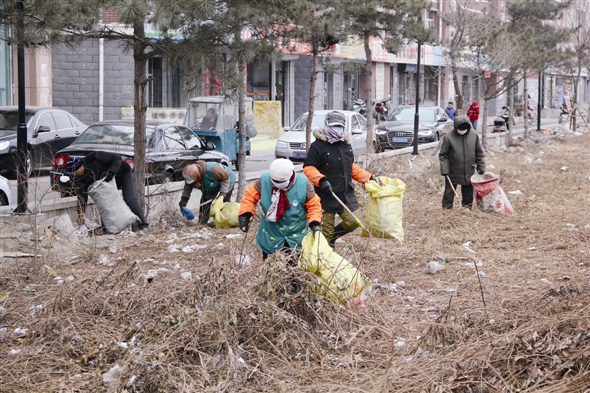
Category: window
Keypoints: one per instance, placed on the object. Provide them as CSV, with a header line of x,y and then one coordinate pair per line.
x,y
173,139
430,16
155,82
45,119
62,120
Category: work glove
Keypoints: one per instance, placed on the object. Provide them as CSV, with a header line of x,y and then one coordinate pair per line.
x,y
244,221
315,227
183,202
222,195
187,213
109,176
325,186
481,172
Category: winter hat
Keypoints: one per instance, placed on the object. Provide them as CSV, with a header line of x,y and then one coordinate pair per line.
x,y
281,170
73,164
335,119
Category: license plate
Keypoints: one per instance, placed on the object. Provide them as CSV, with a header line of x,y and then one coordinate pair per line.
x,y
400,140
299,154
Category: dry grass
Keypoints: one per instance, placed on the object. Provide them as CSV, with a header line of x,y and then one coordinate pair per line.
x,y
251,329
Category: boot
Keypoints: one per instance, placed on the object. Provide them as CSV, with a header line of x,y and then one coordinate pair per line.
x,y
339,231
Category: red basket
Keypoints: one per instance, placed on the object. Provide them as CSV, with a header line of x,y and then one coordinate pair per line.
x,y
486,183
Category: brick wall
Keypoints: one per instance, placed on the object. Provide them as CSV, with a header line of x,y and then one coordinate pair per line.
x,y
302,72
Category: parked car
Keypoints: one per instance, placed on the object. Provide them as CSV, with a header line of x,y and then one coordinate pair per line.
x,y
291,144
48,131
5,192
398,130
170,147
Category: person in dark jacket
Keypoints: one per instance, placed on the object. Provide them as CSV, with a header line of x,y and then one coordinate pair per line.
x,y
97,165
213,179
460,155
330,167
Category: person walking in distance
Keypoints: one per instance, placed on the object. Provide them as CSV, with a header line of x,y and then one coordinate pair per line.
x,y
451,111
330,167
290,209
473,114
460,155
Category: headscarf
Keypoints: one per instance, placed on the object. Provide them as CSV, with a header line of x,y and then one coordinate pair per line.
x,y
334,126
194,173
279,201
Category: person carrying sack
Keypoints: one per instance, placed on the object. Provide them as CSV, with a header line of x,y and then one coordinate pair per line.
x,y
211,178
330,167
290,208
460,153
97,165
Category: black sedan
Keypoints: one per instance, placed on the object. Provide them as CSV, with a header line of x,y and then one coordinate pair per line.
x,y
398,130
170,148
48,131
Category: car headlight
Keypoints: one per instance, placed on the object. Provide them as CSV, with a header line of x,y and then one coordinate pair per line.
x,y
425,132
282,145
4,145
380,131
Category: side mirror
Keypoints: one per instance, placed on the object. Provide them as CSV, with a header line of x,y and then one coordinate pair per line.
x,y
442,120
42,129
286,129
210,146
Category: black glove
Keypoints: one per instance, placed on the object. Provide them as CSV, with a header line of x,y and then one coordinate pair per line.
x,y
222,195
373,178
315,227
183,202
481,172
244,221
109,176
325,186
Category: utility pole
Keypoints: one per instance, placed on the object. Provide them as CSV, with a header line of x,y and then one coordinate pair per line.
x,y
21,134
539,100
417,102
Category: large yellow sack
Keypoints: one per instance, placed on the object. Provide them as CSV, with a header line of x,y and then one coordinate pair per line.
x,y
225,214
339,280
384,209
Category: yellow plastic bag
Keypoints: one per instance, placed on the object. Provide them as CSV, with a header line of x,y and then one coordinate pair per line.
x,y
225,214
384,209
340,280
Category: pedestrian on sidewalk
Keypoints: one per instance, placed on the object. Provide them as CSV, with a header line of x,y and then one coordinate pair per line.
x,y
290,208
97,165
460,154
330,167
451,111
213,179
473,114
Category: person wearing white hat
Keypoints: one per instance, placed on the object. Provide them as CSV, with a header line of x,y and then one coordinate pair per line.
x,y
290,208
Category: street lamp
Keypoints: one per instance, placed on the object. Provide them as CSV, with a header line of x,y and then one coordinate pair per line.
x,y
417,101
21,133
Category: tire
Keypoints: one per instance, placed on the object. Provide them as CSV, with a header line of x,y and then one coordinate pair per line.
x,y
166,177
236,165
3,199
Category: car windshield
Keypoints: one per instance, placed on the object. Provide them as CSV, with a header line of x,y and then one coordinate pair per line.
x,y
407,114
9,119
111,134
317,122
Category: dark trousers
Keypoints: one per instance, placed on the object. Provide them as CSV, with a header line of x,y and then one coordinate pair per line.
x,y
125,184
449,195
205,210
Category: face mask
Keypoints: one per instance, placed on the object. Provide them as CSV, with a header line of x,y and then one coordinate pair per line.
x,y
462,132
280,185
188,179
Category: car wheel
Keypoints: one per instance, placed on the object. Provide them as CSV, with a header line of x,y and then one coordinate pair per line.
x,y
167,177
3,199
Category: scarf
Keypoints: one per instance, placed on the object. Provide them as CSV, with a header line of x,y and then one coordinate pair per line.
x,y
333,134
278,200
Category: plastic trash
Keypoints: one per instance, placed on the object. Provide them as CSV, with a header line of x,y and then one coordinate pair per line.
x,y
186,275
111,377
435,267
225,214
384,208
539,161
115,215
187,213
242,260
489,194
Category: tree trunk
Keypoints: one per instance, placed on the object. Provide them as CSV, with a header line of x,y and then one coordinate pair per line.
x,y
511,112
525,106
242,134
575,99
140,110
313,80
484,123
369,90
458,95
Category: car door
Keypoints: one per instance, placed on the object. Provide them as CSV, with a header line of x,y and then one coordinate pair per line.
x,y
42,140
67,131
358,130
